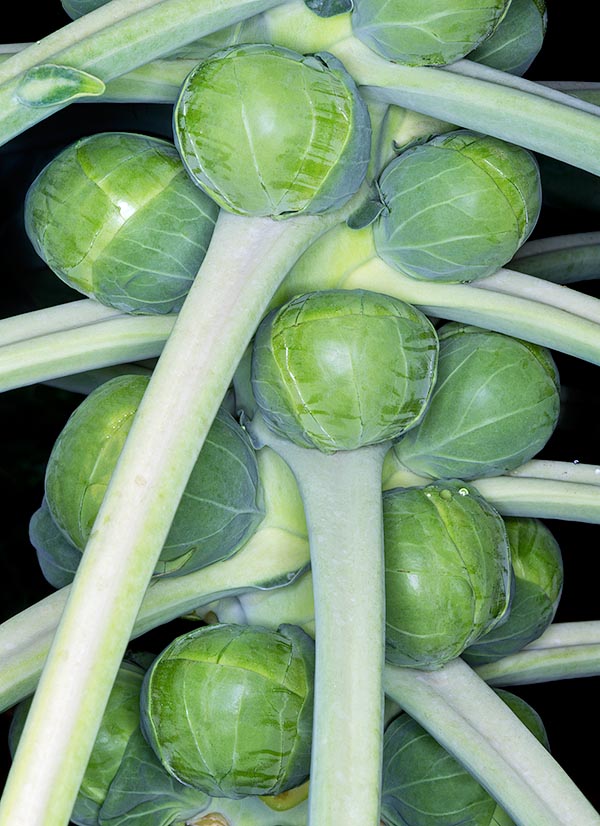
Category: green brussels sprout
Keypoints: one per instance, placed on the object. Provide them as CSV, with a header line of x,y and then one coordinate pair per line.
x,y
425,32
458,207
120,722
228,709
77,8
447,572
140,230
517,40
538,570
495,405
242,110
219,510
340,369
57,557
425,786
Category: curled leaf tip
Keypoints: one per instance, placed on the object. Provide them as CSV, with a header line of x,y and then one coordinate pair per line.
x,y
52,85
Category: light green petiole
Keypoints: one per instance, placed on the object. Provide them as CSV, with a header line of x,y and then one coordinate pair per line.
x,y
566,650
342,501
542,498
456,706
246,261
563,259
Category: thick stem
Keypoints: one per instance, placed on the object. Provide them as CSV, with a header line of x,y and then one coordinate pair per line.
x,y
53,319
342,500
245,263
474,725
559,471
106,43
565,651
490,106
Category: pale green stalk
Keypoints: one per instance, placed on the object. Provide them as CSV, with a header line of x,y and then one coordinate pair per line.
x,y
101,46
559,471
523,317
120,338
273,556
566,650
563,259
584,90
90,379
245,263
341,493
478,728
53,319
543,498
531,120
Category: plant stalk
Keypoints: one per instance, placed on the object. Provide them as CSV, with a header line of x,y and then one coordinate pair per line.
x,y
245,263
476,727
342,501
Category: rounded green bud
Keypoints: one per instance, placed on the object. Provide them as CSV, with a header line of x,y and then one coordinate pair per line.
x,y
341,369
57,557
116,217
221,506
495,405
228,709
77,8
425,32
538,581
425,786
447,572
120,721
458,207
517,40
267,131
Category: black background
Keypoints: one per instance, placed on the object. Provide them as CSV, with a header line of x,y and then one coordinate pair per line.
x,y
31,418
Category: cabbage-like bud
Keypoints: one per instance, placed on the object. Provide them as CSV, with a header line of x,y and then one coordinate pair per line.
x,y
267,131
425,32
447,572
116,217
228,709
221,506
341,369
495,405
538,570
517,40
120,722
458,207
425,786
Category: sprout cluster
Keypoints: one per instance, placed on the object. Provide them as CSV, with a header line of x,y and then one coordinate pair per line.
x,y
220,508
228,709
376,355
141,227
447,572
241,110
458,207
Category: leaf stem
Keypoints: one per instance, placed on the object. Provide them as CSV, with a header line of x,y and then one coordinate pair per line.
x,y
476,727
246,260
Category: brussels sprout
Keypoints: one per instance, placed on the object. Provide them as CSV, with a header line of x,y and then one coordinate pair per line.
x,y
77,8
447,572
220,508
425,32
494,406
372,357
57,556
517,40
537,565
141,227
242,110
425,786
458,207
120,721
228,709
